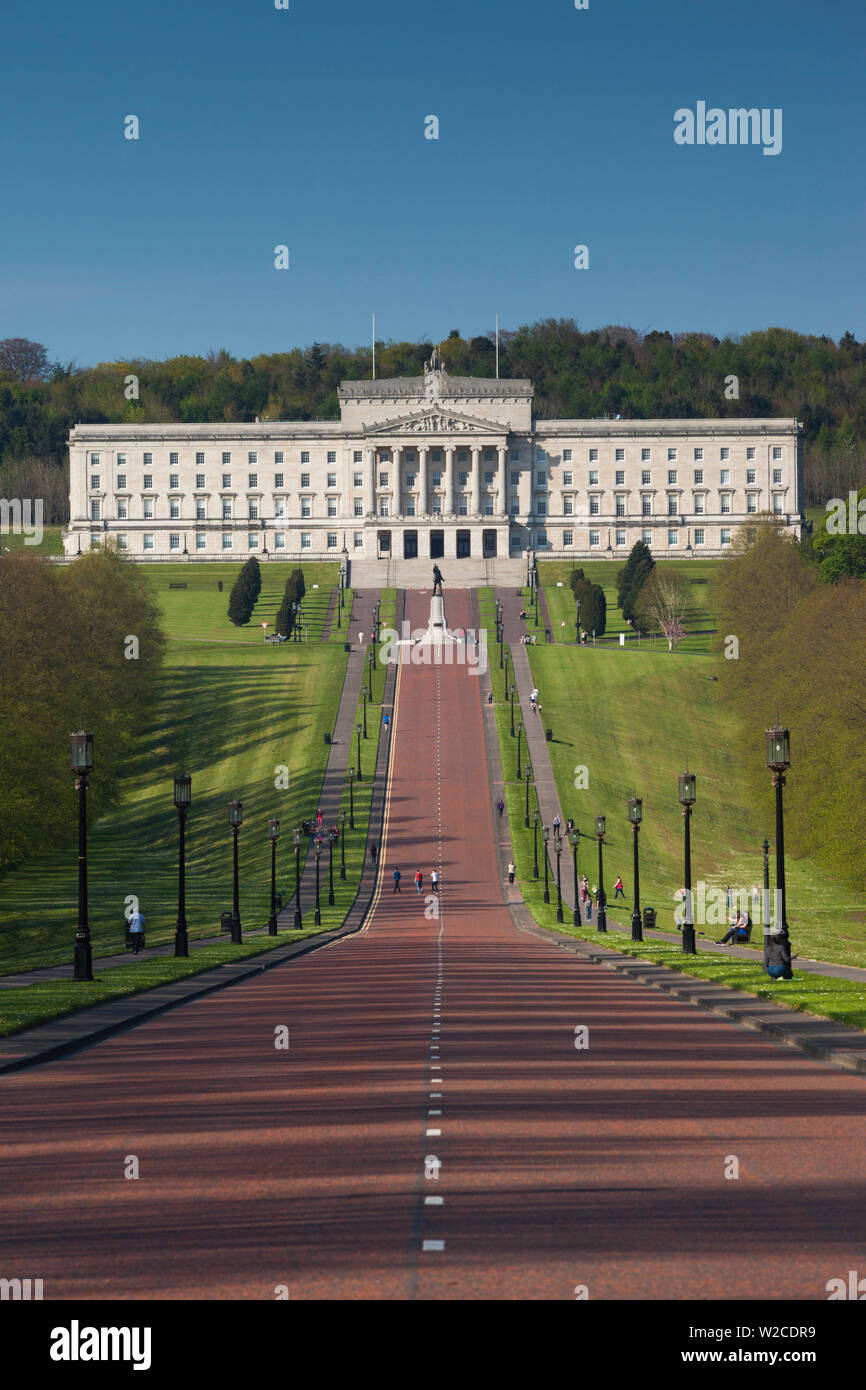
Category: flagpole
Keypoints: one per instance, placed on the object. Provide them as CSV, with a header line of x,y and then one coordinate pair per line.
x,y
497,347
374,347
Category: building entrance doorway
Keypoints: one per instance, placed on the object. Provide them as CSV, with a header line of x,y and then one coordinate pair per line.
x,y
464,546
437,545
488,544
384,545
410,545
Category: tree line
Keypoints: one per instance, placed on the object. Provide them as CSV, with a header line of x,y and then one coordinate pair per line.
x,y
82,647
607,371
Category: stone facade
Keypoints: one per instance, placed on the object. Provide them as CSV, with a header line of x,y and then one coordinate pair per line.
x,y
428,467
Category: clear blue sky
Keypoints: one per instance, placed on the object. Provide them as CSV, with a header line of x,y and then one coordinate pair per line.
x,y
306,127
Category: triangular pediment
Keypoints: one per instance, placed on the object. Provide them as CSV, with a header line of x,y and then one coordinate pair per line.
x,y
437,422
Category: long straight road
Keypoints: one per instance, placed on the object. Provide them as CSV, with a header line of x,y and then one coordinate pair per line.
x,y
432,1131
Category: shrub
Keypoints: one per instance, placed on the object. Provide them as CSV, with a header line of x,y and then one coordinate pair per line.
x,y
593,610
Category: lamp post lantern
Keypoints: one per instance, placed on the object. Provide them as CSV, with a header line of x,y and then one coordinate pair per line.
x,y
236,816
317,918
536,817
557,848
297,838
351,798
358,773
342,845
687,801
182,797
273,836
635,815
82,765
545,835
600,830
574,837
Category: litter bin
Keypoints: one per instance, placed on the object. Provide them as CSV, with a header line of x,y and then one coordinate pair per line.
x,y
225,921
347,646
649,918
548,734
327,738
548,636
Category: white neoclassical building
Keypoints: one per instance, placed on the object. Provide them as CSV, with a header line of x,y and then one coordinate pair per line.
x,y
424,468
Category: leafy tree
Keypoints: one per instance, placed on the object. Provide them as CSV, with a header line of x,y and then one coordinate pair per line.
x,y
847,559
663,603
245,592
593,610
23,359
632,577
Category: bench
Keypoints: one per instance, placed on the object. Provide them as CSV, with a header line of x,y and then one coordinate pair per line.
x,y
177,586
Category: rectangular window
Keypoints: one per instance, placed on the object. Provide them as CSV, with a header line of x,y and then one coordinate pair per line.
x,y
488,479
593,455
514,506
279,541
384,455
305,540
619,456
358,480
121,481
672,477
227,540
278,480
540,455
645,477
148,541
672,454
488,506
568,538
699,506
227,479
383,479
725,504
593,506
593,537
540,539
699,477
199,480
462,457
646,506
95,509
306,507
200,511
252,460
94,481
148,460
200,541
724,453
437,480
121,460
358,456
673,506
620,477
593,477
750,453
174,541
148,482
174,510
777,502
436,456
462,509
567,506
566,458
121,509
750,475
699,536
725,476
645,455
646,537
383,507
279,507
359,507
777,475
726,536
673,537
436,507
777,451
332,540
699,454
227,511
541,479
253,480
410,507
305,480
332,480
620,506
410,455
540,507
305,457
227,460
358,538
515,478
172,460
332,458
515,455
751,502
462,479
278,459
567,479
332,506
620,537
148,510
174,481
122,542
254,511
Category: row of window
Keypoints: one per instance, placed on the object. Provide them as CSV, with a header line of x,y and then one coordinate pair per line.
x,y
698,538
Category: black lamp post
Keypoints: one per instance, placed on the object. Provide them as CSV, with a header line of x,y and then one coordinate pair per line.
x,y
778,761
273,836
182,797
236,816
765,897
557,846
687,801
364,693
351,798
370,674
342,845
577,625
527,778
512,709
373,655
297,837
535,595
545,835
296,607
501,634
600,829
507,655
536,817
318,916
82,765
519,732
340,599
635,815
332,840
574,837
359,774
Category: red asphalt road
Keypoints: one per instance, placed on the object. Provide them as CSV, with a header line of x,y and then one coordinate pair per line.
x,y
559,1167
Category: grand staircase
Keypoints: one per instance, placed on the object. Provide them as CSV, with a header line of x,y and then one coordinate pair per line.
x,y
418,574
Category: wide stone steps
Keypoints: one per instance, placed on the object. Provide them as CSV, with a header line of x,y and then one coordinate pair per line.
x,y
418,574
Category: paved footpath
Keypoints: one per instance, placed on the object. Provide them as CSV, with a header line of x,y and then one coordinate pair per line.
x,y
432,1131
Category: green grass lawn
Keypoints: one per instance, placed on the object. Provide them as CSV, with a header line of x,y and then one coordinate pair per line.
x,y
51,543
232,711
560,601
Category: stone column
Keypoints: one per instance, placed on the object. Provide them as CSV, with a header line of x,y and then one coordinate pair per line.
x,y
397,491
423,455
370,488
448,508
502,504
475,493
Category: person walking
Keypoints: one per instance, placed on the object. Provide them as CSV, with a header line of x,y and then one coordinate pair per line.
x,y
618,890
373,852
319,819
397,877
511,872
418,879
434,880
500,806
587,903
136,930
584,889
556,823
